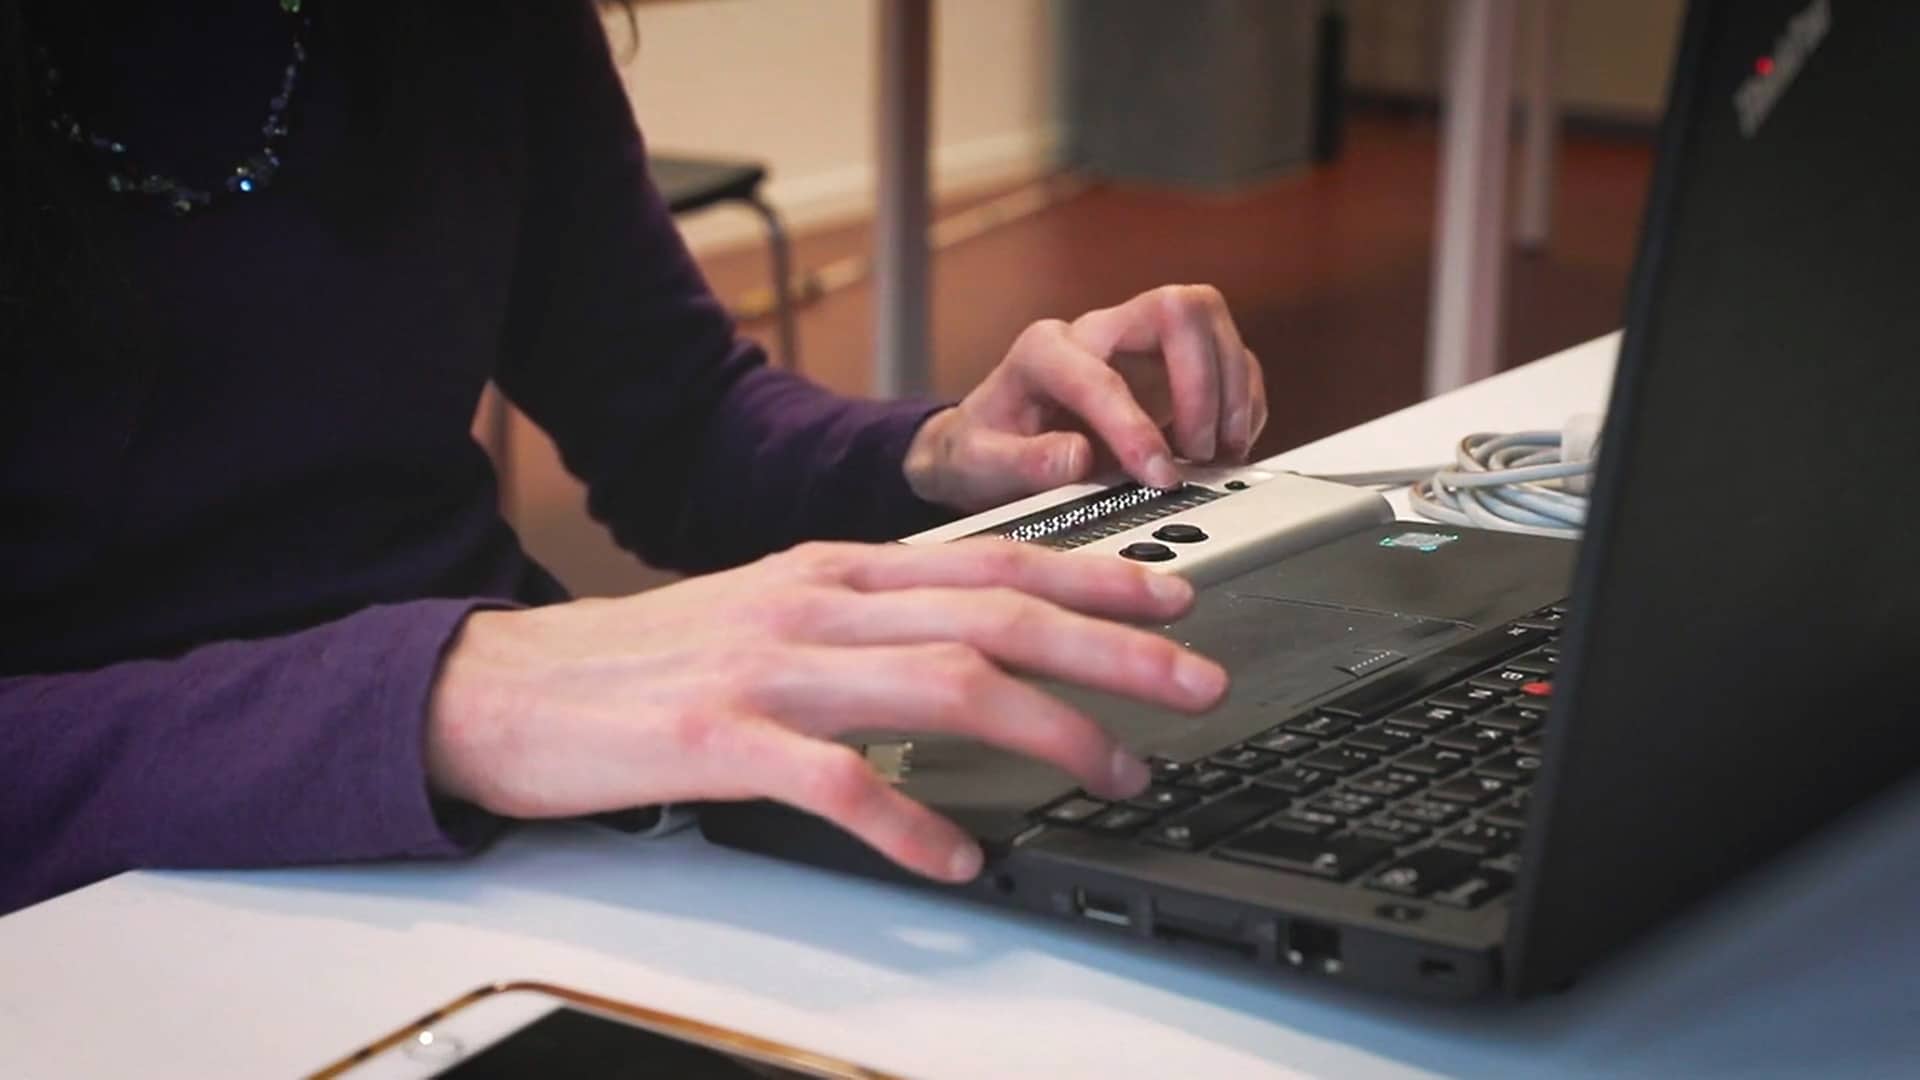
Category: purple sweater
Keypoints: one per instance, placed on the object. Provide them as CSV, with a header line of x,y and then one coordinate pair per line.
x,y
229,580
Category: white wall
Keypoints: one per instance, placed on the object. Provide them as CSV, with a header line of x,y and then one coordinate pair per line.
x,y
791,82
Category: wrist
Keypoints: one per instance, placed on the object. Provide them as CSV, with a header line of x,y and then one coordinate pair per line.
x,y
463,726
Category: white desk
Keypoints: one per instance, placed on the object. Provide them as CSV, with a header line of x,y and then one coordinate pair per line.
x,y
1811,971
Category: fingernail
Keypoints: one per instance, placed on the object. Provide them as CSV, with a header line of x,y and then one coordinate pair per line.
x,y
1241,425
1066,461
964,864
1202,678
1160,472
1204,446
1168,589
1129,773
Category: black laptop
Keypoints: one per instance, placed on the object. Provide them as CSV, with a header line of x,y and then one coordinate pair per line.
x,y
1562,745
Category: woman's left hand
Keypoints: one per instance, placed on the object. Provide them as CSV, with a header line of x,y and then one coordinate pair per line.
x,y
1168,361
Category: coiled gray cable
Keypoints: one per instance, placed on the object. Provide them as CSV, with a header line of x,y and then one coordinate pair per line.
x,y
1515,482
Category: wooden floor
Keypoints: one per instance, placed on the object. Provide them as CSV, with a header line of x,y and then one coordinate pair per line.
x,y
1326,272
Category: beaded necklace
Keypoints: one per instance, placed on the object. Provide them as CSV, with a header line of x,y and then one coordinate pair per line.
x,y
251,174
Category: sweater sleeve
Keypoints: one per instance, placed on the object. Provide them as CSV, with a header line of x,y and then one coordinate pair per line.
x,y
695,453
297,749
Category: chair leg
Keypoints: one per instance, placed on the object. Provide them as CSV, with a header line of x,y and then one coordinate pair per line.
x,y
782,258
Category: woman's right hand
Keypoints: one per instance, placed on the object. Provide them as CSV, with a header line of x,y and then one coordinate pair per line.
x,y
731,686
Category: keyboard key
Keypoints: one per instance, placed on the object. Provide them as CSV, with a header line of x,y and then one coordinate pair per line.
x,y
1426,717
1536,662
1445,877
1387,783
1165,771
1504,680
1345,804
1478,887
1434,815
1538,690
1518,719
1394,830
1506,864
1434,761
1121,819
1340,759
1402,684
1383,740
1547,618
1209,779
1074,810
1473,739
1425,871
1471,790
1283,743
1320,725
1160,800
1511,814
1312,822
1532,745
1204,824
1468,699
1335,858
1512,766
1482,839
1296,780
1245,760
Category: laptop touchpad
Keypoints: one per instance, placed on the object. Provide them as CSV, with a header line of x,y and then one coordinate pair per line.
x,y
1279,653
1292,650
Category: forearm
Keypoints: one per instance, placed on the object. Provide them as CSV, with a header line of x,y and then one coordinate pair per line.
x,y
297,749
784,460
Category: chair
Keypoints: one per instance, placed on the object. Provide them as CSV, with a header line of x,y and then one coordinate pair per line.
x,y
689,184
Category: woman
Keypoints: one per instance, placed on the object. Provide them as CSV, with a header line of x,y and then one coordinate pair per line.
x,y
262,609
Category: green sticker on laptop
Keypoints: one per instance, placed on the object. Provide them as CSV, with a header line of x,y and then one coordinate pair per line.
x,y
1419,541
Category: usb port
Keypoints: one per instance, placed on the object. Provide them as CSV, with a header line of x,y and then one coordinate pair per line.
x,y
1111,910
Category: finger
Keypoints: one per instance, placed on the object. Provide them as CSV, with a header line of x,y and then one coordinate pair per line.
x,y
949,689
1011,466
1128,327
1194,359
1237,378
1023,632
1100,586
1189,327
1083,383
835,783
1257,399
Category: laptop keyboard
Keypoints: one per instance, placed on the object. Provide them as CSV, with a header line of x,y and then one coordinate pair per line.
x,y
1414,784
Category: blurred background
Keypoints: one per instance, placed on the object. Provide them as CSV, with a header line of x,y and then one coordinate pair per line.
x,y
1084,150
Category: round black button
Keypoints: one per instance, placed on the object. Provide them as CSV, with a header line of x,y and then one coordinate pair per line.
x,y
1236,485
1179,534
1147,551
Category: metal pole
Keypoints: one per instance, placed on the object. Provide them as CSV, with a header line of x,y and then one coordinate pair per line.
x,y
900,261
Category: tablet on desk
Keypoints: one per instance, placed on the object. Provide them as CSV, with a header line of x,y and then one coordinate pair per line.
x,y
534,1029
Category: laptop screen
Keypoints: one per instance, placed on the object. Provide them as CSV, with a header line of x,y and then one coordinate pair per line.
x,y
1743,666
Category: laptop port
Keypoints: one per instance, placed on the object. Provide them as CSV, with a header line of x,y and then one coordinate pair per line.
x,y
1112,910
1184,932
1431,968
1312,945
